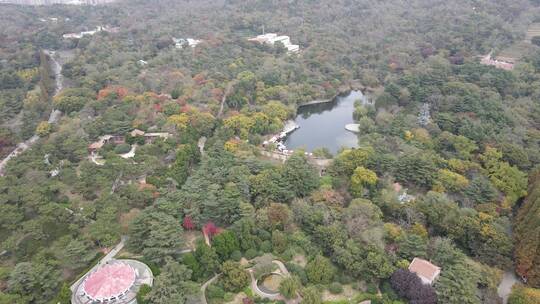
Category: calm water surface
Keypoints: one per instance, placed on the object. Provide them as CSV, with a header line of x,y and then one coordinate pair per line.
x,y
323,124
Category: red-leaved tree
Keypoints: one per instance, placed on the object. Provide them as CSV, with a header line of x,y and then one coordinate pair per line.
x,y
210,229
188,223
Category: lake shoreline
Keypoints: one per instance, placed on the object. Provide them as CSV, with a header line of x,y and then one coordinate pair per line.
x,y
321,124
343,91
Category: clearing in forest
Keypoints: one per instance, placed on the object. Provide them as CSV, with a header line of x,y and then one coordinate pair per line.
x,y
520,48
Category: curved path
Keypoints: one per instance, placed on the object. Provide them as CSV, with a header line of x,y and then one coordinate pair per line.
x,y
53,117
104,260
263,294
205,285
505,287
253,285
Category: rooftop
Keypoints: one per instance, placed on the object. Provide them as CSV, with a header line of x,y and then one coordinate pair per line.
x,y
113,282
109,281
425,270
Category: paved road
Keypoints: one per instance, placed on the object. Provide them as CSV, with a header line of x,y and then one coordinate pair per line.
x,y
225,95
201,143
505,287
104,260
205,285
53,117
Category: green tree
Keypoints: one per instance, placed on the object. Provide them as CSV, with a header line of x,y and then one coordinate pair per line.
x,y
290,286
208,259
279,241
225,244
234,277
269,186
360,179
38,280
72,100
411,246
64,296
156,234
77,253
481,190
311,295
523,295
348,160
43,129
417,169
301,177
173,285
187,156
363,221
457,284
320,270
510,180
378,265
143,292
526,232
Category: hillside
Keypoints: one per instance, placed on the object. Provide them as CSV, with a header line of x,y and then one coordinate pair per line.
x,y
168,148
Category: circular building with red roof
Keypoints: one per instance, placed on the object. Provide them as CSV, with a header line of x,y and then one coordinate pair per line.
x,y
116,282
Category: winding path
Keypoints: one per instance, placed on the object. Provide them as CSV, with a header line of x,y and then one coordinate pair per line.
x,y
53,117
505,287
224,98
205,285
253,284
104,260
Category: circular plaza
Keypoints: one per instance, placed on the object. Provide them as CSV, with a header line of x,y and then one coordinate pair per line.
x,y
116,282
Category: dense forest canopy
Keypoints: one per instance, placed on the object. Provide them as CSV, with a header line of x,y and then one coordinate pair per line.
x,y
158,142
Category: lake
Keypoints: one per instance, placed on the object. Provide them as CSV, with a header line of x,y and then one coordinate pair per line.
x,y
323,124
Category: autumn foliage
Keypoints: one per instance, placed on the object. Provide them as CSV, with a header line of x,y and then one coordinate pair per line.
x,y
210,229
188,223
527,234
121,92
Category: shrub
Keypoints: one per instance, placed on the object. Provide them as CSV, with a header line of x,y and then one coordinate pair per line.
x,y
264,235
523,295
345,279
371,288
263,269
228,297
225,244
266,246
122,148
311,295
215,292
535,40
320,270
251,253
408,285
287,255
141,295
43,129
289,287
236,256
234,277
335,288
298,271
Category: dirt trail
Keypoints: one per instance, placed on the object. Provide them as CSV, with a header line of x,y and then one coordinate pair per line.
x,y
53,117
505,287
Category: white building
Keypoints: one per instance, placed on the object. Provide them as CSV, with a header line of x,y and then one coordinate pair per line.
x,y
86,33
272,38
179,43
